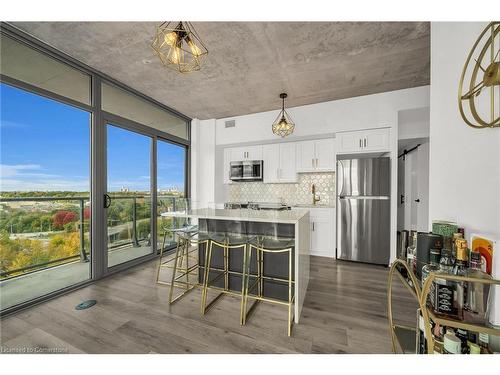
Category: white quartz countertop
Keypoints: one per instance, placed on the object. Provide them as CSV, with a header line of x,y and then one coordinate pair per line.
x,y
269,216
305,206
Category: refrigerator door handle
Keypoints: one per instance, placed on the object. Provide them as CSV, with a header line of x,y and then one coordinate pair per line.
x,y
340,178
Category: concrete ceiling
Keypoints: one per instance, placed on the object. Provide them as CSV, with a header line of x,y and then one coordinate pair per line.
x,y
250,63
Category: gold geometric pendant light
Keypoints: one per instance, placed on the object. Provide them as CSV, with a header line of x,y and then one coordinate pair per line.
x,y
283,125
479,88
178,46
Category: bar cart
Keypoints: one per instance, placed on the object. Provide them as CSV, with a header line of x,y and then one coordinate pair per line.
x,y
405,337
402,336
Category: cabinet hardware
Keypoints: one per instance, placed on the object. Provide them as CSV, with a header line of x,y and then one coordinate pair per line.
x,y
316,162
313,225
312,162
360,144
417,200
364,142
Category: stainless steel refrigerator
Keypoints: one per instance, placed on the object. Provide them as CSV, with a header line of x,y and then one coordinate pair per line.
x,y
363,209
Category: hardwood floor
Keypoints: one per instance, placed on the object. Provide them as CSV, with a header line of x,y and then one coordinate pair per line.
x,y
344,312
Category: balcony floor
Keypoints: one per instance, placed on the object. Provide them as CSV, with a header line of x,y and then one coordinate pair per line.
x,y
344,312
25,287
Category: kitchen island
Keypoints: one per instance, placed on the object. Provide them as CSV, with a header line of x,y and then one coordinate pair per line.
x,y
288,223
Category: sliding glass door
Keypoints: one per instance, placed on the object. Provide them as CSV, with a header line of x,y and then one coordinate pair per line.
x,y
128,199
171,182
45,200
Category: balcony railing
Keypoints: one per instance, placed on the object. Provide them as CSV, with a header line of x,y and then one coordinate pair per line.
x,y
135,238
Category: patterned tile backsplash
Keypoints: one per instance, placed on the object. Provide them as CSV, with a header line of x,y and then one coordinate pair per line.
x,y
299,193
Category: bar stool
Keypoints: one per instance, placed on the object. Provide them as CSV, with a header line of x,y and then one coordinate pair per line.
x,y
262,246
188,238
229,240
175,233
185,235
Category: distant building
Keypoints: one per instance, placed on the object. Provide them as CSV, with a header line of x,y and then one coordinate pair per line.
x,y
124,189
173,190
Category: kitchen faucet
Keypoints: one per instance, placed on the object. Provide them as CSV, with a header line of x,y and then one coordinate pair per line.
x,y
315,198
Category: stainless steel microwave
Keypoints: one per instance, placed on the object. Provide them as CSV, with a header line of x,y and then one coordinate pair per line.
x,y
249,170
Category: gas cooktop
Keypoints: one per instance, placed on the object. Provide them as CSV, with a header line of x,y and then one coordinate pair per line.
x,y
257,206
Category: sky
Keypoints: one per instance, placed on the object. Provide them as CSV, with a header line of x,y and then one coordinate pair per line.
x,y
45,146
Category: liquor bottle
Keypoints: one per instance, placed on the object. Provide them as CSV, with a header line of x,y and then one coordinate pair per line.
x,y
438,333
462,335
452,344
422,339
477,293
461,269
474,348
411,253
484,343
456,236
443,294
433,265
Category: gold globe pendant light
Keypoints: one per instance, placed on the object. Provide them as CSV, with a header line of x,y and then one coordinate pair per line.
x,y
283,125
178,46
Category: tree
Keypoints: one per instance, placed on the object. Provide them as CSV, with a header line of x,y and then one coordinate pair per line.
x,y
62,218
8,250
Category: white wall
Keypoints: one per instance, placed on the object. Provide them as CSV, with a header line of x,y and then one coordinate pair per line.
x,y
362,112
203,161
414,123
464,162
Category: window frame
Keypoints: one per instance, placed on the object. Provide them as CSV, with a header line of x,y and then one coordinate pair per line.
x,y
99,120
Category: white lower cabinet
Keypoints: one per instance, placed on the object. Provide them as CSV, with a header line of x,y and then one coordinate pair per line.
x,y
322,221
322,231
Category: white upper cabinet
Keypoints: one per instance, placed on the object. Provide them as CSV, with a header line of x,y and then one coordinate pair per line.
x,y
316,156
325,154
271,165
227,162
305,156
279,163
288,162
375,140
246,153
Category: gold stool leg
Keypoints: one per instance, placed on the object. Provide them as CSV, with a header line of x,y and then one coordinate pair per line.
x,y
174,271
246,273
260,270
208,259
226,267
290,292
244,283
186,248
161,257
